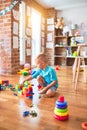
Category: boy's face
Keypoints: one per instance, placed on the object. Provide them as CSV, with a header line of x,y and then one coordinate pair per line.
x,y
39,64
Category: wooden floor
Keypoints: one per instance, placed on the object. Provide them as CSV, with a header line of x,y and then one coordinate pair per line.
x,y
12,107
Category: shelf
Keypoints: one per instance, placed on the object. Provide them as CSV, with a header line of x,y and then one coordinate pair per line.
x,y
72,46
60,56
70,56
60,46
63,51
66,46
60,36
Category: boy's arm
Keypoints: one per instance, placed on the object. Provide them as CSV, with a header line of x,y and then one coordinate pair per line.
x,y
28,78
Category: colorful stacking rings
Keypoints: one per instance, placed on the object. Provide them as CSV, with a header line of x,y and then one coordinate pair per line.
x,y
84,125
61,110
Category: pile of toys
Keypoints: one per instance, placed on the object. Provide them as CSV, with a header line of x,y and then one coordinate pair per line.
x,y
26,71
4,84
61,110
25,89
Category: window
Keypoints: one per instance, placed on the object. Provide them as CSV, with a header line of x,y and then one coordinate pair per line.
x,y
22,32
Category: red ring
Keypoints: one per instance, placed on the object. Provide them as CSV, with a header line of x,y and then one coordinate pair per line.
x,y
84,125
61,118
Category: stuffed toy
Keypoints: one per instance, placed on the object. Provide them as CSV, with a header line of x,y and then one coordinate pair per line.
x,y
60,23
73,42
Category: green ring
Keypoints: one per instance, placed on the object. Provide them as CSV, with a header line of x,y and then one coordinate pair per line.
x,y
61,110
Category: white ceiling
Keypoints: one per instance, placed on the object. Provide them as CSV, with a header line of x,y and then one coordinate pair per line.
x,y
62,4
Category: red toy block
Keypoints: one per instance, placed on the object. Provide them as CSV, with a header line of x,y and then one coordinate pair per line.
x,y
2,81
57,67
30,89
21,87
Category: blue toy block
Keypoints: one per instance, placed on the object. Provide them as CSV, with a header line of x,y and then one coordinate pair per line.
x,y
26,113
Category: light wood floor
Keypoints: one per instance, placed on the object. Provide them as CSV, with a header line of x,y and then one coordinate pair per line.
x,y
12,107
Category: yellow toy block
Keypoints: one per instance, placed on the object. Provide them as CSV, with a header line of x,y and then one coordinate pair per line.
x,y
0,81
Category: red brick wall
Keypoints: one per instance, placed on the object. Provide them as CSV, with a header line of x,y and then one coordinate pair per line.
x,y
9,56
15,52
50,13
5,39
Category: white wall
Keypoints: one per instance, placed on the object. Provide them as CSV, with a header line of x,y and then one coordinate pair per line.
x,y
76,16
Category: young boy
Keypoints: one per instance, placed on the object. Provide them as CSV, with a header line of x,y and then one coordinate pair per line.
x,y
45,75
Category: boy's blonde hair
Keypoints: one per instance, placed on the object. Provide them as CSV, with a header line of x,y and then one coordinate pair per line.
x,y
42,57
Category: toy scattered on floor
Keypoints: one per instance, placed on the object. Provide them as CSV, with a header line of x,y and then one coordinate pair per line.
x,y
57,67
23,72
25,89
26,71
84,125
12,89
15,94
4,84
32,113
80,70
27,66
26,113
61,110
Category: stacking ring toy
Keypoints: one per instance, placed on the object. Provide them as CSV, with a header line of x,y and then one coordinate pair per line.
x,y
62,104
84,125
61,118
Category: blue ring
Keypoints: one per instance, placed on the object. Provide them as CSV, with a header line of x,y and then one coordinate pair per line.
x,y
61,107
62,104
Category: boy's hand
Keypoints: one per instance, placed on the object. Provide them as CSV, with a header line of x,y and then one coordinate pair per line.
x,y
22,82
44,90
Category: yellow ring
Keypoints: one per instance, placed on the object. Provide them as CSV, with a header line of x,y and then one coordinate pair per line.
x,y
61,114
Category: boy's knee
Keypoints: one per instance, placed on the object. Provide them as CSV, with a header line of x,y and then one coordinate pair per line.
x,y
50,93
